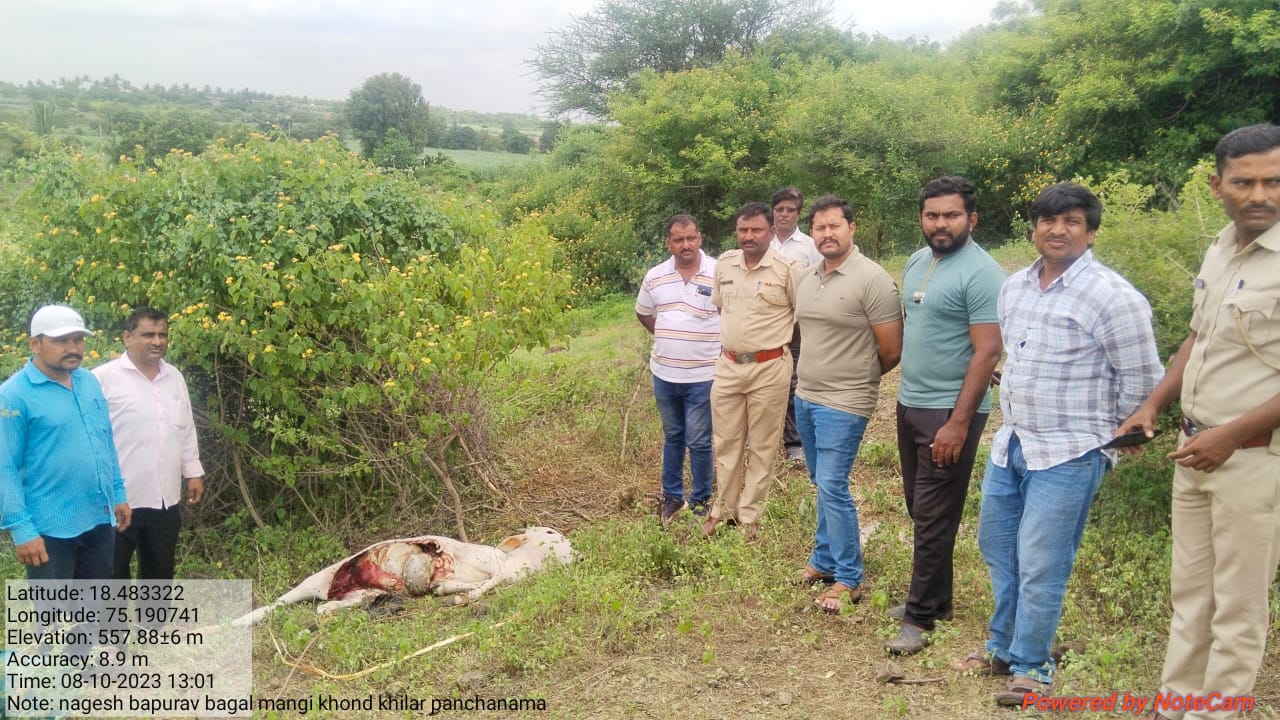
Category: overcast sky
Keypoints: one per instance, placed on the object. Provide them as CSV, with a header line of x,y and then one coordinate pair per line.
x,y
466,54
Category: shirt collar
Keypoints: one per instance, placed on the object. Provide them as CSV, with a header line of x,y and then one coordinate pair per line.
x,y
1066,278
795,235
820,269
770,255
34,374
127,363
1269,239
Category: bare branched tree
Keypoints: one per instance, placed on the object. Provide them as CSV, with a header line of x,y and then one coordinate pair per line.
x,y
602,51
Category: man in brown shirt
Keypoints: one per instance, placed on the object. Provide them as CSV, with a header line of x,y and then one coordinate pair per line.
x,y
851,318
755,289
1226,483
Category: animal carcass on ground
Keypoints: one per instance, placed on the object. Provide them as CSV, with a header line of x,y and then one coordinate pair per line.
x,y
422,565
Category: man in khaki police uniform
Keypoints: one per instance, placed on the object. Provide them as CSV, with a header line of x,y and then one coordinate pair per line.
x,y
1226,483
755,289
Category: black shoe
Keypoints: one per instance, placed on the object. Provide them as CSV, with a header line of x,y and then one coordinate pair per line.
x,y
899,612
910,641
700,508
670,506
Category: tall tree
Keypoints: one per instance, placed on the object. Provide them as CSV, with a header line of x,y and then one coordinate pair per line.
x,y
43,113
386,101
1147,85
603,51
514,141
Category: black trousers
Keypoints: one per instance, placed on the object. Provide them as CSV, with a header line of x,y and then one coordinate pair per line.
x,y
935,501
790,435
154,534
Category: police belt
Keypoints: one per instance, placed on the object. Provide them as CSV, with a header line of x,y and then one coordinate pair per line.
x,y
1190,427
759,356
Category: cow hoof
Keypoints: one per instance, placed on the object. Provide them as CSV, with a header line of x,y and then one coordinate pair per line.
x,y
386,606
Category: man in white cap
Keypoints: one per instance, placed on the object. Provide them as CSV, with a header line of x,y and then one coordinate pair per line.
x,y
60,485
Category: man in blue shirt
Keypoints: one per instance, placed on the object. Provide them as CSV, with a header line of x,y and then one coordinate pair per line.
x,y
60,485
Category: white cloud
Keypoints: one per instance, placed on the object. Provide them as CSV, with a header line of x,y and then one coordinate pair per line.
x,y
466,54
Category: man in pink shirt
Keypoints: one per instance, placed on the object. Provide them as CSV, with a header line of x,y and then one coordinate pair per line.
x,y
155,437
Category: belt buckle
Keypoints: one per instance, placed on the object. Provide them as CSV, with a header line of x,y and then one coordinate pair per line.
x,y
745,358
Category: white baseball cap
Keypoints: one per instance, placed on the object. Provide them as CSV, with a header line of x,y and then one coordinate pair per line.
x,y
57,321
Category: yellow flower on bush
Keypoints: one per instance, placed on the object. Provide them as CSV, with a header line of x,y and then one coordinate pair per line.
x,y
269,348
389,383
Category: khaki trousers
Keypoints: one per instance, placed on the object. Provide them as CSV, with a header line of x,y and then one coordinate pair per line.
x,y
748,405
1226,549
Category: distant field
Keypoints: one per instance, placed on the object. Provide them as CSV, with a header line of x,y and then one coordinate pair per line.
x,y
481,159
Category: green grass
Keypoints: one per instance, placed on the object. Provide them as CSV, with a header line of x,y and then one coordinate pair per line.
x,y
654,622
481,159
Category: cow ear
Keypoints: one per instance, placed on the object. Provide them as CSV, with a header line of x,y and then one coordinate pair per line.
x,y
512,543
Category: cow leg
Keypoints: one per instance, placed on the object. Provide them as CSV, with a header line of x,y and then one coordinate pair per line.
x,y
351,599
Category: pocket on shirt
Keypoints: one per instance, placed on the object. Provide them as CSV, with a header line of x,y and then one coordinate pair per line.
x,y
1251,319
101,420
775,295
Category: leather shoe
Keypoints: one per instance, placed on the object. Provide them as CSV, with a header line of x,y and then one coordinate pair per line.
x,y
910,641
899,612
668,509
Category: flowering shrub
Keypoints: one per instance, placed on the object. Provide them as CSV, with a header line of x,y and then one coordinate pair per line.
x,y
333,321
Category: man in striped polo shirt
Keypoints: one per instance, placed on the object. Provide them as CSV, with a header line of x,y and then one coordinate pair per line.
x,y
675,305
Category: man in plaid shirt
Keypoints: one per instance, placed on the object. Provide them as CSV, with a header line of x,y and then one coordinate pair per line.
x,y
1081,357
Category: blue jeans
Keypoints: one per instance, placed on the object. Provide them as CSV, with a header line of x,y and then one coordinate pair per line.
x,y
1029,531
831,438
87,556
685,409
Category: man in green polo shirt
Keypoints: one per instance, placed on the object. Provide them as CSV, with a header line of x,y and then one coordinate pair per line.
x,y
951,345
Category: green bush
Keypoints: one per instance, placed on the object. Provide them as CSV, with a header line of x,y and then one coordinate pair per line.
x,y
334,321
1160,251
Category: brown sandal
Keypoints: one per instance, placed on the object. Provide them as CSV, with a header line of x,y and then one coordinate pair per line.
x,y
832,599
1019,688
809,576
980,662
